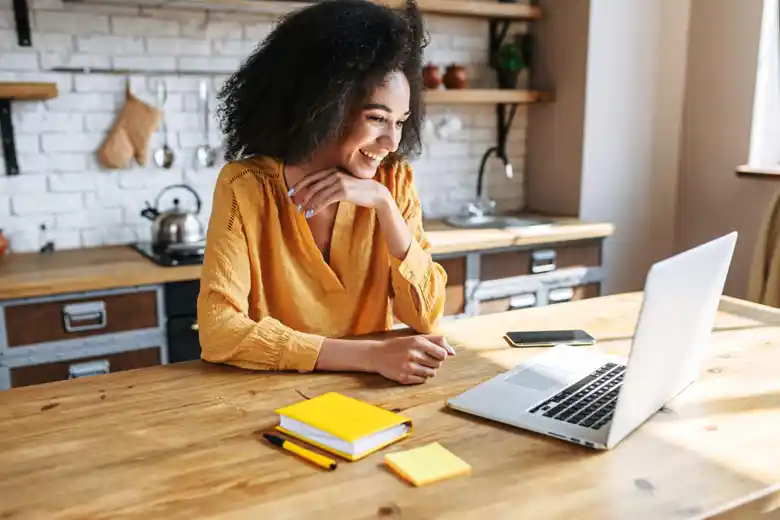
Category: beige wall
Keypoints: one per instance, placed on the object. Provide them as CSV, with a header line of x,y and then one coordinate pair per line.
x,y
555,130
722,56
633,114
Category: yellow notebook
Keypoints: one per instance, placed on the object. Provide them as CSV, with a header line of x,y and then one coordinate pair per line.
x,y
427,464
342,425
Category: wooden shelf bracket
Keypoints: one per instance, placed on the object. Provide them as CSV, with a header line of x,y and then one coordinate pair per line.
x,y
22,16
7,134
10,91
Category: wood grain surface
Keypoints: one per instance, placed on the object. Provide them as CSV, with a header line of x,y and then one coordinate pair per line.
x,y
27,90
182,441
32,274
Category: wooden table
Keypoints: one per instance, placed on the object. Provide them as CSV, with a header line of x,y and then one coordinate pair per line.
x,y
181,441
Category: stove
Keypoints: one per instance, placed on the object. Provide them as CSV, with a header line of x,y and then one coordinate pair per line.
x,y
168,258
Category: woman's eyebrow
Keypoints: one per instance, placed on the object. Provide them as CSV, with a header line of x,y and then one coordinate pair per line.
x,y
379,106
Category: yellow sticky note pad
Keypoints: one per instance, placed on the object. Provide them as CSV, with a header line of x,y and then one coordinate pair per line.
x,y
427,464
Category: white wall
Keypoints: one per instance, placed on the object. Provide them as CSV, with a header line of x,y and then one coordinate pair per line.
x,y
61,183
633,112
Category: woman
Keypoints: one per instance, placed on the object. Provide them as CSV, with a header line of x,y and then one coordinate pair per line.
x,y
315,232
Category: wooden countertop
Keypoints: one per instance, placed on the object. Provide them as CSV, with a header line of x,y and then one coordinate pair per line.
x,y
181,441
33,274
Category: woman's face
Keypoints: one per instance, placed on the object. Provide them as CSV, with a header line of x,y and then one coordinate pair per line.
x,y
376,130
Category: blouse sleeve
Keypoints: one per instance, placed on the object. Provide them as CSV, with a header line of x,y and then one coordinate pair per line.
x,y
418,282
227,333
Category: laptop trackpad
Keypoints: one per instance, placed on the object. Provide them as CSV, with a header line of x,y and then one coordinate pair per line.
x,y
536,379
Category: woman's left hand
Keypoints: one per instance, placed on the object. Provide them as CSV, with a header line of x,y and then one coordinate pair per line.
x,y
318,190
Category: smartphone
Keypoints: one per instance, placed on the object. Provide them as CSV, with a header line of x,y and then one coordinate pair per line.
x,y
548,338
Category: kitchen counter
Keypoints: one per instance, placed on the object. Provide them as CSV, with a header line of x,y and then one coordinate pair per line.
x,y
33,274
183,440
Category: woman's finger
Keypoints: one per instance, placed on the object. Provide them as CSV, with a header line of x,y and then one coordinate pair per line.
x,y
309,180
417,369
432,349
424,359
442,342
306,196
322,199
410,379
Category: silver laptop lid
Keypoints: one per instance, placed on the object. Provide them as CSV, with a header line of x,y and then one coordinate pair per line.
x,y
672,336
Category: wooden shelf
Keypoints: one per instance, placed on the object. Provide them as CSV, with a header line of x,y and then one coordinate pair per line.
x,y
468,8
485,96
27,91
9,92
464,8
753,171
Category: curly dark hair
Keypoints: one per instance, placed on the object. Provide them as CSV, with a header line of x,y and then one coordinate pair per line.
x,y
301,85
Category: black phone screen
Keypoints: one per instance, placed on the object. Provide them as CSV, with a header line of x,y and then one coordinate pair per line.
x,y
548,337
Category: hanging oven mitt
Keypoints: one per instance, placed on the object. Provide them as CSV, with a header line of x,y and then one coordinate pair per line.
x,y
129,137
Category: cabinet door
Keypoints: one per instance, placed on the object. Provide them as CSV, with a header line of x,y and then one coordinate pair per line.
x,y
183,339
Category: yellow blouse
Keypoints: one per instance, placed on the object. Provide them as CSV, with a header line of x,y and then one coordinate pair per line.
x,y
268,298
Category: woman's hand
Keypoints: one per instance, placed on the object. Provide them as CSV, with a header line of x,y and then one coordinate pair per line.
x,y
319,190
410,360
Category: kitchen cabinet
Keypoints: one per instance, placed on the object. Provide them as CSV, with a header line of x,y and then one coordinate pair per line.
x,y
52,338
74,313
520,277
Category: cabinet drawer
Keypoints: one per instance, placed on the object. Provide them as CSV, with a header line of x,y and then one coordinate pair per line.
x,y
31,323
522,301
518,263
62,370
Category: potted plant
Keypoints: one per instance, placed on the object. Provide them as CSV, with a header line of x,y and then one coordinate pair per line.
x,y
509,63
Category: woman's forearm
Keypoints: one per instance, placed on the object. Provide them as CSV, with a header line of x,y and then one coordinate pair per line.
x,y
346,355
394,228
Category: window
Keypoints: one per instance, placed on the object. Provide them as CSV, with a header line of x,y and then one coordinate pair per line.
x,y
765,133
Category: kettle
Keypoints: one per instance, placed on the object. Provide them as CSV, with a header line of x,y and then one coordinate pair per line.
x,y
174,227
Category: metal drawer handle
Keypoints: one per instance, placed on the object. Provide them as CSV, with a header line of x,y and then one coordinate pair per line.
x,y
195,326
543,261
522,301
562,294
90,311
88,368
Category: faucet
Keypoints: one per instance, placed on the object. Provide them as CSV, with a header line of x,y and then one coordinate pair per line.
x,y
474,209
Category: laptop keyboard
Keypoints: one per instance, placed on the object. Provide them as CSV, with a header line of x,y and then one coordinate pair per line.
x,y
590,402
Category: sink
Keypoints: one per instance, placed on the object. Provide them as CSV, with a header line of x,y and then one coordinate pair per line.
x,y
496,222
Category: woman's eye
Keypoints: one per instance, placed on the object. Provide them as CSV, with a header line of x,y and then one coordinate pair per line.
x,y
378,119
401,123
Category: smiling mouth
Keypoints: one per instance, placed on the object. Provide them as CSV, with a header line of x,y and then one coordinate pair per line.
x,y
372,156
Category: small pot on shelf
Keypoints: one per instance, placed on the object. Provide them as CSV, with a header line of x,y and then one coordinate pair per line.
x,y
431,77
455,77
508,64
507,79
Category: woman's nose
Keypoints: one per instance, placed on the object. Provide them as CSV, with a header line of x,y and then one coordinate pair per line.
x,y
391,138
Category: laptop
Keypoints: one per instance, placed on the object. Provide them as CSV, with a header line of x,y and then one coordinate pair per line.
x,y
595,399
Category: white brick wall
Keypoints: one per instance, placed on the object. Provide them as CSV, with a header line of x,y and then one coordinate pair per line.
x,y
83,205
